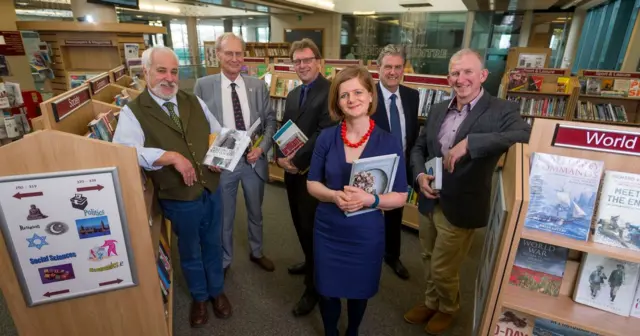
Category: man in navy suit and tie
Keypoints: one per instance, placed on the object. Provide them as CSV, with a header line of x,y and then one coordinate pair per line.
x,y
397,113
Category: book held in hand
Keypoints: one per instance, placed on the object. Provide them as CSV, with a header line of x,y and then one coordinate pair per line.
x,y
289,138
229,146
434,168
374,175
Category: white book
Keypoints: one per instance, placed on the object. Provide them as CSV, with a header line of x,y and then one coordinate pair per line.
x,y
227,149
434,168
289,138
635,305
374,175
606,283
618,218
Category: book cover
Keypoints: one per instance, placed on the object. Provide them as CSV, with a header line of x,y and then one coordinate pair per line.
x,y
517,80
539,267
374,175
544,327
593,86
434,168
606,283
618,217
289,138
534,83
563,194
227,149
562,84
513,323
635,305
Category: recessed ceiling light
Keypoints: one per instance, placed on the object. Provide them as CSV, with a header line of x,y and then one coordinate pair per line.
x,y
138,16
251,18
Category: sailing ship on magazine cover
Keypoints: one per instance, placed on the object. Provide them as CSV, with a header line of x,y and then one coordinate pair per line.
x,y
563,192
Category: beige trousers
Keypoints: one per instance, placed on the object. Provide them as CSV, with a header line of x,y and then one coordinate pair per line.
x,y
444,247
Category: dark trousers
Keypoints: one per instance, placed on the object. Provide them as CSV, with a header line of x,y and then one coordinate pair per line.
x,y
198,226
303,213
330,309
393,227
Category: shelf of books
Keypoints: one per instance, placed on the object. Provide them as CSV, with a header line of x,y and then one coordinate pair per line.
x,y
255,66
433,89
609,97
569,260
329,65
541,93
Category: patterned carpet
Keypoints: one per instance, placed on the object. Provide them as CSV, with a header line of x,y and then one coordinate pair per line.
x,y
262,301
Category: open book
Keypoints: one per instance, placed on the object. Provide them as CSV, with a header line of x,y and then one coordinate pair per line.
x,y
229,146
375,175
289,138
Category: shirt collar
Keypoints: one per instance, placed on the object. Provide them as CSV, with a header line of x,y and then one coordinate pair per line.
x,y
312,82
161,101
387,94
453,104
226,82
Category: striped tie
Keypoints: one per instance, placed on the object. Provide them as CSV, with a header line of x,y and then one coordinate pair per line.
x,y
237,109
173,115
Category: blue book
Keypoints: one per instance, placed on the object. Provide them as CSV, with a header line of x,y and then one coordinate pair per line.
x,y
544,327
563,192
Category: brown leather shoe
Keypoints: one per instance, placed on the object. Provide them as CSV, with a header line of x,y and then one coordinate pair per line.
x,y
264,263
199,315
439,323
419,314
222,307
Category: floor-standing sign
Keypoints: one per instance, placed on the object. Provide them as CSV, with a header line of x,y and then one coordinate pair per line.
x,y
66,233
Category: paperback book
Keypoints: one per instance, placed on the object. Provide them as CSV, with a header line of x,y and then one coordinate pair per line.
x,y
374,175
606,283
618,219
434,168
563,194
229,146
544,327
635,305
513,323
539,267
289,138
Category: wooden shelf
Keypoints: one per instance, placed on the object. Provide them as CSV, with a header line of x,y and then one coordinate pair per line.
x,y
411,216
540,93
621,123
584,246
564,310
610,97
102,27
275,173
542,117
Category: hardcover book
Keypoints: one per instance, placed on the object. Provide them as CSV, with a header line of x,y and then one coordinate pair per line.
x,y
539,267
513,323
544,327
618,219
563,194
289,138
606,283
375,175
434,168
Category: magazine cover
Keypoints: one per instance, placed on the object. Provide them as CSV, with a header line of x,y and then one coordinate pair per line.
x,y
517,80
606,283
375,175
227,149
563,193
513,323
618,219
635,305
544,327
289,138
539,267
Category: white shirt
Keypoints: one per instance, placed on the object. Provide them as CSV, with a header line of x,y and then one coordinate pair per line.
x,y
386,94
228,118
129,132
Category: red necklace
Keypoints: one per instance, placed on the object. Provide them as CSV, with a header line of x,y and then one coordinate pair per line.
x,y
364,138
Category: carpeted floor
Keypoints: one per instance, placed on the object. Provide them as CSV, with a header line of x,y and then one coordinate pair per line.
x,y
262,301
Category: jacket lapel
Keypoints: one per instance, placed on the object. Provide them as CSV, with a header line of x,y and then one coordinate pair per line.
x,y
217,91
480,107
311,95
251,96
382,108
156,111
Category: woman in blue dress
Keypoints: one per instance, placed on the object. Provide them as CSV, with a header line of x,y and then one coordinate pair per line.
x,y
348,251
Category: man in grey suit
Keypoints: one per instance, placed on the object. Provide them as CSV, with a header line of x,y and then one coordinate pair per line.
x,y
470,132
237,101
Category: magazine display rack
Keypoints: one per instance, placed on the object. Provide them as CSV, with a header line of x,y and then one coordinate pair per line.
x,y
629,101
548,136
104,90
119,76
136,309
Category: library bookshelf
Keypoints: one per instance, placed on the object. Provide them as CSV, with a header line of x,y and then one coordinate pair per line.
x,y
626,101
549,101
562,309
329,65
432,90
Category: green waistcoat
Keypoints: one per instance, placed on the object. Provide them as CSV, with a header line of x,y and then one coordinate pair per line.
x,y
160,131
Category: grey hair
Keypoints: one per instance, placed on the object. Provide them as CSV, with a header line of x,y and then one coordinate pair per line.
x,y
147,55
228,35
466,51
391,49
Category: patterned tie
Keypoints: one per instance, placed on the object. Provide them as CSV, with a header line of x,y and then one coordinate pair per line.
x,y
237,109
303,94
172,114
395,118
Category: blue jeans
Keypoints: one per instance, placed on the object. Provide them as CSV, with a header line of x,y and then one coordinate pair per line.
x,y
198,225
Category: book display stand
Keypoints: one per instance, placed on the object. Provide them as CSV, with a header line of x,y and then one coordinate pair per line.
x,y
609,97
570,139
119,76
95,290
541,93
104,90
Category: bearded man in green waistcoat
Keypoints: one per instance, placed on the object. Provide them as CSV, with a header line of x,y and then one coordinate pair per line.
x,y
170,130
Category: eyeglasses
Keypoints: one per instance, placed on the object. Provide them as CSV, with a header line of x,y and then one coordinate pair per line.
x,y
230,54
303,61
